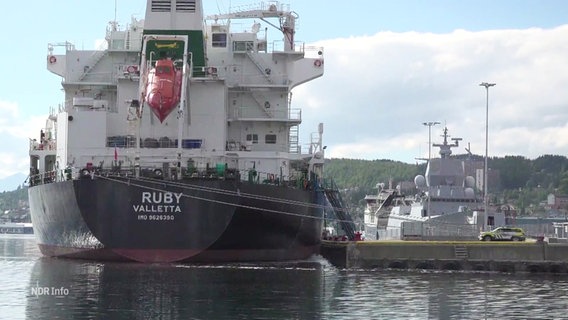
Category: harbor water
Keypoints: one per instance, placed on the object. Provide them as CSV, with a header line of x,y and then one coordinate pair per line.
x,y
34,287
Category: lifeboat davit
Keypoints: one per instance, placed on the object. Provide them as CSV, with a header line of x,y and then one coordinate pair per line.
x,y
164,88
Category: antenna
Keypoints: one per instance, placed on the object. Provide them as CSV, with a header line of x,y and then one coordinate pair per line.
x,y
115,1
468,149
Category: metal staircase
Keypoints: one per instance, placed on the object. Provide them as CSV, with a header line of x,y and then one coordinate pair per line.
x,y
127,41
342,214
264,70
95,58
460,252
263,103
294,139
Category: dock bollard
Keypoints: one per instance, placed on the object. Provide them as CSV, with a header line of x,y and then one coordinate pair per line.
x,y
358,236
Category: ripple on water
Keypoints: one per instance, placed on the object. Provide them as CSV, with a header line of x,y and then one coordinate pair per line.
x,y
310,289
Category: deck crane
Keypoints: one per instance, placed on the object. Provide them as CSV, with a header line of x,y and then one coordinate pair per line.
x,y
273,10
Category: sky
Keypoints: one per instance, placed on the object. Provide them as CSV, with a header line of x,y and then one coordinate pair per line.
x,y
390,66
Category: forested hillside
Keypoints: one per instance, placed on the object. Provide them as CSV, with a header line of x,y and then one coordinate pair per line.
x,y
10,200
515,172
352,173
14,205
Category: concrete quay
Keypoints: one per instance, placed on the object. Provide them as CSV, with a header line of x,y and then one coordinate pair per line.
x,y
530,256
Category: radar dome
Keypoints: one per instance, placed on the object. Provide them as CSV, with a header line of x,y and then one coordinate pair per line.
x,y
420,181
469,193
469,181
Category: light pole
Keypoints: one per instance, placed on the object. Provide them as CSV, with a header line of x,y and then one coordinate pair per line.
x,y
485,176
429,124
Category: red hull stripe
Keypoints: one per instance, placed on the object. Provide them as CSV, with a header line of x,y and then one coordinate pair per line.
x,y
167,256
156,255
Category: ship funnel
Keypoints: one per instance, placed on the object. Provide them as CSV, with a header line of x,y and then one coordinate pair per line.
x,y
174,15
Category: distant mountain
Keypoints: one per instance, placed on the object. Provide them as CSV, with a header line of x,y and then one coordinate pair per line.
x,y
12,182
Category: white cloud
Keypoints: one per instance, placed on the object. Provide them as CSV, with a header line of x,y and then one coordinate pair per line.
x,y
9,110
377,90
16,132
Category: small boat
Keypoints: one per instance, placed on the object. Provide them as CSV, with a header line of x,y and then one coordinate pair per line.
x,y
163,88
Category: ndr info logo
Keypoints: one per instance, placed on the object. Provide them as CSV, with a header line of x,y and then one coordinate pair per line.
x,y
49,291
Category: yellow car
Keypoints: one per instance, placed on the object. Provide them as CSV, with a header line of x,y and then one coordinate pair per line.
x,y
503,234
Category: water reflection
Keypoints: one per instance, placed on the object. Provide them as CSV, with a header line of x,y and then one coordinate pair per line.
x,y
138,291
446,295
300,290
18,246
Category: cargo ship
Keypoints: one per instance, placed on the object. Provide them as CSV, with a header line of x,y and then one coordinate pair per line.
x,y
178,141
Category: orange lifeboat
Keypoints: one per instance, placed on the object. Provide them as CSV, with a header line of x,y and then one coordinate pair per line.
x,y
163,90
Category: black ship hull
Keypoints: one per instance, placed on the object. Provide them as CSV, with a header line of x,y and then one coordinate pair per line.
x,y
194,220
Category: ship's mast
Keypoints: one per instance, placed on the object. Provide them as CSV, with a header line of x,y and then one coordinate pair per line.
x,y
446,148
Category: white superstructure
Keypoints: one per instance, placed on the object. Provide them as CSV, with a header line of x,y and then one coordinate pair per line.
x,y
235,109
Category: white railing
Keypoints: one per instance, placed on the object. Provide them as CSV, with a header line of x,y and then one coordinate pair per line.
x,y
246,112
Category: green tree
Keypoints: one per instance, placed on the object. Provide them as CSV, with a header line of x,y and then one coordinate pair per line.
x,y
514,171
563,184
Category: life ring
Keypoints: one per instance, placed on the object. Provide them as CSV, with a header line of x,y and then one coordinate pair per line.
x,y
318,63
158,172
85,172
131,69
52,59
212,71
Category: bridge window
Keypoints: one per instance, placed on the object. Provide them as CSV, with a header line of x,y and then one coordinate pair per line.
x,y
219,40
252,137
243,46
270,139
